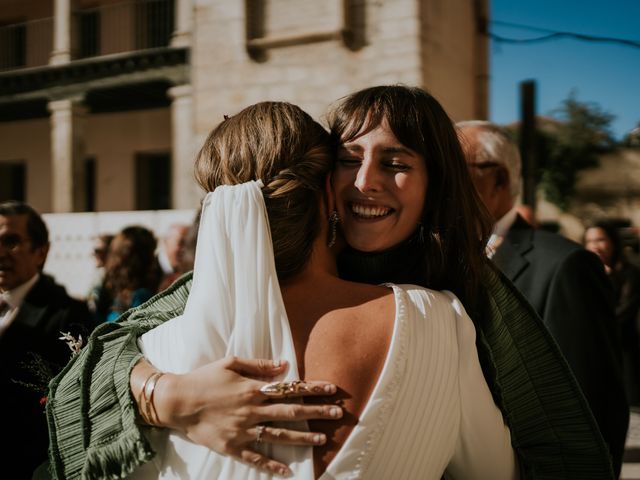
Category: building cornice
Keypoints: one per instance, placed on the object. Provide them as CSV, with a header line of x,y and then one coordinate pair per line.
x,y
79,76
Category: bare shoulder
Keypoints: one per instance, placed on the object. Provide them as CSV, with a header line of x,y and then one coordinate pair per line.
x,y
368,297
358,308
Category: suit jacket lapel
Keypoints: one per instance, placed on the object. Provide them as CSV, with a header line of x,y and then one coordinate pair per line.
x,y
33,307
510,255
29,315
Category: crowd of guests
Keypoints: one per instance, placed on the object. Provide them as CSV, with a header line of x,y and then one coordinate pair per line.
x,y
589,304
131,267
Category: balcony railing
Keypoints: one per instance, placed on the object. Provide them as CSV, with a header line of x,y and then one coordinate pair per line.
x,y
122,27
26,44
116,28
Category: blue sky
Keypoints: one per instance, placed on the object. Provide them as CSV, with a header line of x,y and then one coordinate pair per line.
x,y
603,73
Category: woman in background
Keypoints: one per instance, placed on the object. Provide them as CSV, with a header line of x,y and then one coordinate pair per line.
x,y
603,239
96,295
132,273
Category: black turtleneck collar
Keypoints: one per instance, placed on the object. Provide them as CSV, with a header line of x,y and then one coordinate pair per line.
x,y
402,264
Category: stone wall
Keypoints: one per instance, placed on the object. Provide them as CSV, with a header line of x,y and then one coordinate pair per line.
x,y
112,139
434,44
415,42
29,142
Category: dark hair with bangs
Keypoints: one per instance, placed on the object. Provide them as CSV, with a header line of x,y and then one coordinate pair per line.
x,y
456,223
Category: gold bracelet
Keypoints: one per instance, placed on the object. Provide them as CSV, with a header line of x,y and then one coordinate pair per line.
x,y
148,409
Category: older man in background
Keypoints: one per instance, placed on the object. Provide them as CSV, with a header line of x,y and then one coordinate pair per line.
x,y
564,283
34,313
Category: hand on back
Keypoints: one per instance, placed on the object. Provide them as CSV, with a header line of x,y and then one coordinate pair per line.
x,y
221,406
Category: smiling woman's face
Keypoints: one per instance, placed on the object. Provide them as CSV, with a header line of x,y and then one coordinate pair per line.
x,y
380,188
597,241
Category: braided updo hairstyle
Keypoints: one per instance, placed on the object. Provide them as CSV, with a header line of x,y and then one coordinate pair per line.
x,y
280,144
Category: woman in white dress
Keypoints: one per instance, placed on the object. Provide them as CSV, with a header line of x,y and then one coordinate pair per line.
x,y
265,285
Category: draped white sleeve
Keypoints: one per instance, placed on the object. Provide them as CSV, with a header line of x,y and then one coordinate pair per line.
x,y
235,307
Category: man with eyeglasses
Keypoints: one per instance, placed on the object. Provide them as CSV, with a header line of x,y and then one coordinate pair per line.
x,y
563,282
34,313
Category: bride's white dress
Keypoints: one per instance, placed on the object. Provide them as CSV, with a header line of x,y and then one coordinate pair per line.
x,y
430,413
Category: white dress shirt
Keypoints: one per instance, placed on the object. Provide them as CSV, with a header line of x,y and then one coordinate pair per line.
x,y
500,229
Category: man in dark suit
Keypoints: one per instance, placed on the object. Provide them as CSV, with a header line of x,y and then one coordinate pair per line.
x,y
564,283
34,314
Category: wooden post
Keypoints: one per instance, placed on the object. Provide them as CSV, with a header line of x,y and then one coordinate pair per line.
x,y
528,141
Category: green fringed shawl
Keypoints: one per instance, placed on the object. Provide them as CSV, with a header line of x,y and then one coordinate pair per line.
x,y
93,424
552,428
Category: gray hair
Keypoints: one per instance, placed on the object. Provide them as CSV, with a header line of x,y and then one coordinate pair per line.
x,y
498,146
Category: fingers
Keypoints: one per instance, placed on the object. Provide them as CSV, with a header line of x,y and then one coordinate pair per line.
x,y
289,437
267,434
285,412
263,463
297,388
256,367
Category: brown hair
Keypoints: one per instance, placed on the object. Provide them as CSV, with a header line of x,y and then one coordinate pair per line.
x,y
456,224
131,263
284,147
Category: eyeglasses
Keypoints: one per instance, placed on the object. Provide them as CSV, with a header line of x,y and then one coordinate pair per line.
x,y
12,241
484,165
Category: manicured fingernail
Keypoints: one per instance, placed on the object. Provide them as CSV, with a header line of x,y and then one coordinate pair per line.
x,y
276,364
319,439
329,388
335,412
285,472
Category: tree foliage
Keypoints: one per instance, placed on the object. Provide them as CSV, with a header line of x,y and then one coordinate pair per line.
x,y
568,142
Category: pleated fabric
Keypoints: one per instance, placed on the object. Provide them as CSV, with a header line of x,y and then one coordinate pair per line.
x,y
552,427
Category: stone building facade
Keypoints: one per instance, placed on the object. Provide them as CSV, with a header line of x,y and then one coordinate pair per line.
x,y
104,103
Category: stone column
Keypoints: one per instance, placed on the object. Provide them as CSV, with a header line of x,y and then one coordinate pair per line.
x,y
181,36
184,190
61,52
67,155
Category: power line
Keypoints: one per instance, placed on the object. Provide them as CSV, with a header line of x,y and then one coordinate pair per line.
x,y
554,35
521,26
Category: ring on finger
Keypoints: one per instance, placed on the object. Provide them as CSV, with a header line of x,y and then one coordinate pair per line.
x,y
259,433
282,389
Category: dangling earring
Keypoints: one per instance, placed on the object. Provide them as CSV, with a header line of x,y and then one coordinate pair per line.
x,y
421,233
334,218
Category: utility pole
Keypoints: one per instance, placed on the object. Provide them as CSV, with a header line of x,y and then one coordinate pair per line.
x,y
528,141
